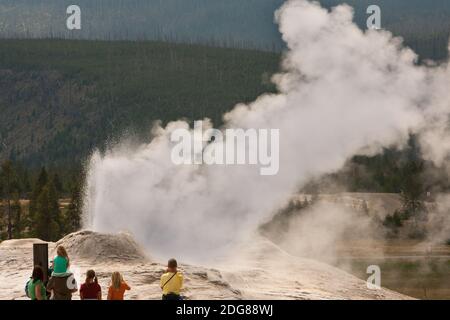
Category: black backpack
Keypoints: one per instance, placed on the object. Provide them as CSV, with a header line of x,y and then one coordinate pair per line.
x,y
26,288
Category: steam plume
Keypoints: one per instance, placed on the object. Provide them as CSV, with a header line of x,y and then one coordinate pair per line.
x,y
342,91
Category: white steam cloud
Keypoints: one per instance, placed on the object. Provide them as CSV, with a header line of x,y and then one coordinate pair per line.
x,y
342,91
317,232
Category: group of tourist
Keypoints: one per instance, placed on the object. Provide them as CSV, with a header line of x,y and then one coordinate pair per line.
x,y
61,284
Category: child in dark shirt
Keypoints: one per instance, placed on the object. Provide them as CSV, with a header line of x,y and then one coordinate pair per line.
x,y
90,289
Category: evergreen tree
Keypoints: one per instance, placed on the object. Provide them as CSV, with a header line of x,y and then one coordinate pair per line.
x,y
41,218
58,184
25,184
413,186
55,211
46,219
18,224
41,182
73,215
7,175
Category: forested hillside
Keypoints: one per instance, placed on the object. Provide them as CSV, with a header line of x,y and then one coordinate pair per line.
x,y
60,99
233,23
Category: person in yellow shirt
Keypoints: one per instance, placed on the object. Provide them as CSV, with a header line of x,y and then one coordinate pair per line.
x,y
172,282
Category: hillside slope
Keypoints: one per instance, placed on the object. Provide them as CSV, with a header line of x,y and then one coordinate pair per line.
x,y
59,99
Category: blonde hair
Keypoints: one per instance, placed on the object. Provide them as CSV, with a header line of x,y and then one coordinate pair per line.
x,y
61,251
116,280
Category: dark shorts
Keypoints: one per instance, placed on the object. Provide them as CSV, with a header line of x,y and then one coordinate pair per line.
x,y
171,296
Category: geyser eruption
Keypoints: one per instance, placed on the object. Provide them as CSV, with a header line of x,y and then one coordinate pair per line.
x,y
342,91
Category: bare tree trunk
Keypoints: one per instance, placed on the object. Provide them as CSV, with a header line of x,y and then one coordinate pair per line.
x,y
7,173
8,206
18,224
9,213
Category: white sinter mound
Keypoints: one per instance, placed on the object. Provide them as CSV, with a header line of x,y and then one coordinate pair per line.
x,y
98,247
256,269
